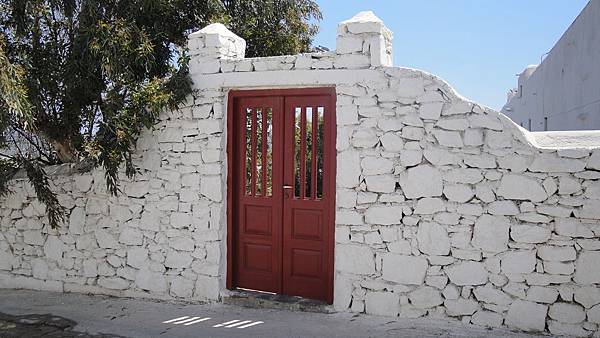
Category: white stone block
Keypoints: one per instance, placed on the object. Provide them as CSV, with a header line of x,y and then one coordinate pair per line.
x,y
355,259
453,123
541,294
463,175
490,233
404,269
376,165
131,236
458,192
113,283
391,142
207,288
53,248
429,205
409,158
381,183
382,304
351,61
425,297
557,253
211,187
348,169
348,217
506,207
491,295
182,287
473,137
550,163
467,273
433,239
567,313
180,219
521,188
522,261
430,110
151,281
136,257
588,296
413,133
527,316
383,215
572,227
33,237
421,181
349,44
587,268
529,233
460,307
447,138
484,161
487,319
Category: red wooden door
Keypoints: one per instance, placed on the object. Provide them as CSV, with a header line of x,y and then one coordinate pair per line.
x,y
257,204
281,191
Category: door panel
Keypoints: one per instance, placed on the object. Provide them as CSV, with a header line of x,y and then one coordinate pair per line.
x,y
258,211
306,239
283,190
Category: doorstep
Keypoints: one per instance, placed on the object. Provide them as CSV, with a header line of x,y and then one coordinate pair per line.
x,y
262,300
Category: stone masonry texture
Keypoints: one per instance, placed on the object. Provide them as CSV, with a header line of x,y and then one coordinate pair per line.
x,y
444,208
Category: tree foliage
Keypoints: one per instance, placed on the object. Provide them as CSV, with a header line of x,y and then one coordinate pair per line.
x,y
81,79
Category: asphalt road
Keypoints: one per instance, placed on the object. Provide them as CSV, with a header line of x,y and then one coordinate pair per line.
x,y
100,315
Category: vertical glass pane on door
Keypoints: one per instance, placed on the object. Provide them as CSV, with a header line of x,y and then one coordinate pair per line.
x,y
248,153
308,151
269,155
259,152
320,149
297,145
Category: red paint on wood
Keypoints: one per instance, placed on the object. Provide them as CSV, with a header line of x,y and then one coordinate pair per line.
x,y
282,243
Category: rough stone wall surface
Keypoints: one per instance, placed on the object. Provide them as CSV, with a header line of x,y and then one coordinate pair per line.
x,y
444,208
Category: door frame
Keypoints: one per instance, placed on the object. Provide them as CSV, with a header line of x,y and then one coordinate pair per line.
x,y
332,131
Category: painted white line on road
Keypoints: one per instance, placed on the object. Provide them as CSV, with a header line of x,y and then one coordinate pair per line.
x,y
248,325
226,323
196,321
239,323
186,320
175,319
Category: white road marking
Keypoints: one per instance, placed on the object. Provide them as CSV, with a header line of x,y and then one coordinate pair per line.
x,y
239,323
236,323
175,319
248,325
186,320
196,321
226,323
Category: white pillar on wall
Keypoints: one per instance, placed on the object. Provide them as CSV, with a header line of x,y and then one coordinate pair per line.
x,y
212,43
365,33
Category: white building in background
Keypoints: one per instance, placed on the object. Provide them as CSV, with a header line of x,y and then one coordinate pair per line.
x,y
563,92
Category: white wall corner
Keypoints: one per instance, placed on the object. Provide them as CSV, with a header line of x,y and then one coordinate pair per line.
x,y
366,34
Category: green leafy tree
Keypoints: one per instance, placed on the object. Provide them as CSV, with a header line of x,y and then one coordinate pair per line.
x,y
81,79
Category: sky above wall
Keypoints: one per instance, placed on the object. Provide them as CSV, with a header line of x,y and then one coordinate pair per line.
x,y
476,45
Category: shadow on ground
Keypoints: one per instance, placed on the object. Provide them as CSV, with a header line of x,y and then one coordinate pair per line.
x,y
46,325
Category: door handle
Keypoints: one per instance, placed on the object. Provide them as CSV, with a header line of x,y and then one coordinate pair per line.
x,y
286,190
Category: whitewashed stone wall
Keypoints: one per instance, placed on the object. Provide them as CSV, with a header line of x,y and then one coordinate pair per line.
x,y
445,208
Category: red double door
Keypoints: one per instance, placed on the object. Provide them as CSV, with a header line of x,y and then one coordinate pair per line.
x,y
282,191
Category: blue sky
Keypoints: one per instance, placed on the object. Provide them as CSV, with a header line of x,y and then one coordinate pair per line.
x,y
476,45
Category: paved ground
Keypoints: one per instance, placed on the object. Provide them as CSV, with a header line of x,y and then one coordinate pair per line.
x,y
99,316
